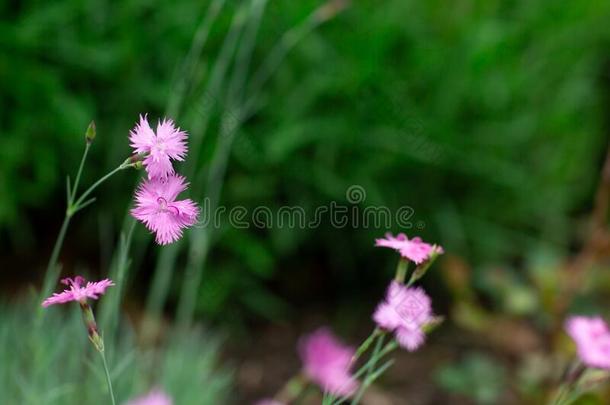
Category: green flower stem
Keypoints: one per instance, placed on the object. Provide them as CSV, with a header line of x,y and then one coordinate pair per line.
x,y
97,341
566,393
52,272
421,270
375,356
366,344
79,204
108,380
401,273
401,270
80,170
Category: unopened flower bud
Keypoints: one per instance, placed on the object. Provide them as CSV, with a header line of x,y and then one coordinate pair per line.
x,y
91,325
90,133
137,157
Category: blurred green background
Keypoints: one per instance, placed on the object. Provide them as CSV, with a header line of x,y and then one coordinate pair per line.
x,y
488,118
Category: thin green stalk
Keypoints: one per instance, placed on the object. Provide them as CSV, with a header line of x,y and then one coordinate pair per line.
x,y
79,203
80,170
401,270
567,394
421,270
108,379
52,272
374,359
366,344
389,347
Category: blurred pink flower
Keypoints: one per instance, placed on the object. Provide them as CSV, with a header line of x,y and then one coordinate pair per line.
x,y
168,143
592,339
405,311
78,291
268,402
326,361
415,249
157,208
154,397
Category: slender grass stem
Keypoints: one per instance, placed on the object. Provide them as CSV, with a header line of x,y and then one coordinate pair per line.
x,y
189,65
286,43
192,279
200,240
237,109
108,379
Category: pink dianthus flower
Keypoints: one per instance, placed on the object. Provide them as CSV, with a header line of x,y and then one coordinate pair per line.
x,y
157,208
592,339
326,361
405,311
414,249
78,291
168,143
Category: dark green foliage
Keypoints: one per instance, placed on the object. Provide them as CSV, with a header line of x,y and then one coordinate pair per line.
x,y
485,117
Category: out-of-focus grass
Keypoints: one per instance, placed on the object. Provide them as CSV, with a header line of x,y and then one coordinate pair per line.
x,y
489,120
60,366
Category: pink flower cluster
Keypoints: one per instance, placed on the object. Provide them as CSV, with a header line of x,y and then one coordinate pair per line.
x,y
405,311
156,204
326,361
592,338
414,249
80,290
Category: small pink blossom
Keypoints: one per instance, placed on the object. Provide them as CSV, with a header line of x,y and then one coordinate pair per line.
x,y
415,249
78,291
326,361
592,339
154,397
405,311
157,208
268,402
169,143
